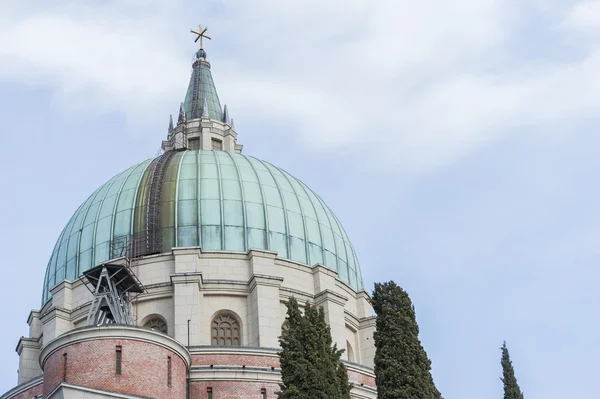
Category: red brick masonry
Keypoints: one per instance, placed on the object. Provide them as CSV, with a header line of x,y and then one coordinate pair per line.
x,y
234,360
144,370
232,389
30,393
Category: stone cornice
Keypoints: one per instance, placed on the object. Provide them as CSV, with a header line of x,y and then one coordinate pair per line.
x,y
24,342
33,314
359,368
323,269
260,253
102,392
328,295
56,312
368,322
237,373
265,280
23,387
240,350
114,332
188,278
61,286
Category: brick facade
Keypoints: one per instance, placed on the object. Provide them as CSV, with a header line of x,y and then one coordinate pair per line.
x,y
234,360
144,368
30,393
232,389
361,378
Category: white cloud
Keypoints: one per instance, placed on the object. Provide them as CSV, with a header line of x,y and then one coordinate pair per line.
x,y
584,15
427,82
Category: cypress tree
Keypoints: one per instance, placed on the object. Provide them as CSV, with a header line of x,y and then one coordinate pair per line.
x,y
511,388
311,367
402,368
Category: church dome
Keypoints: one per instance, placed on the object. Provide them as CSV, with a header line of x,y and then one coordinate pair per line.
x,y
215,200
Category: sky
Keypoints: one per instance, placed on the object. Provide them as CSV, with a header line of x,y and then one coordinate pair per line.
x,y
455,140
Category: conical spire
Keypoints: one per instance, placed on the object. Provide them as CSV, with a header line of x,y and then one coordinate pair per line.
x,y
225,114
170,123
181,117
201,97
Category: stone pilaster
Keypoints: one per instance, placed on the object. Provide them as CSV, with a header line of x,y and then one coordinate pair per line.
x,y
29,355
366,342
265,325
186,306
333,305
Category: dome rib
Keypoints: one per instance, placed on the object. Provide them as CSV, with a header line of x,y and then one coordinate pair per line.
x,y
264,203
176,208
82,226
221,210
284,207
114,215
94,244
244,210
302,216
198,202
254,204
315,211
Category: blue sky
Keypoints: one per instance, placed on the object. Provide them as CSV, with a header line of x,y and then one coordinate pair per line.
x,y
455,140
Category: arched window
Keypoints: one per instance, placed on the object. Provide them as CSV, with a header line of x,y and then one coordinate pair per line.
x,y
225,331
350,352
156,323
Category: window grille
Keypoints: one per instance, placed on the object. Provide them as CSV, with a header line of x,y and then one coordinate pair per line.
x,y
225,331
157,324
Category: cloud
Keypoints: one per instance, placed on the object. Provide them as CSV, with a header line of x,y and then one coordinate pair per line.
x,y
584,15
417,83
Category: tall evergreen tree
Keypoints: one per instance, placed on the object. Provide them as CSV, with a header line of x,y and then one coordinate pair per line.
x,y
402,368
311,368
511,388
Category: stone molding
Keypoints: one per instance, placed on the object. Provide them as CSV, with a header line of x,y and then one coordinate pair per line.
x,y
330,296
64,385
114,332
23,387
33,343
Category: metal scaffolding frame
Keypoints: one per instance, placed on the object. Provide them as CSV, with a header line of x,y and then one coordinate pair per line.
x,y
113,286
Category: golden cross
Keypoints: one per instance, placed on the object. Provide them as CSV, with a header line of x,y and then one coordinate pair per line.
x,y
200,34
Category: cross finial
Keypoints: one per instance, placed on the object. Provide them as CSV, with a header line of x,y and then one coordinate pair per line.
x,y
200,34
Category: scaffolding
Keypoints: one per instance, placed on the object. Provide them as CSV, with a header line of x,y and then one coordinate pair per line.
x,y
113,286
149,241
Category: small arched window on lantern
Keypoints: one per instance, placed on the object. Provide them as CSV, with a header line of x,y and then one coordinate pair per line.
x,y
225,331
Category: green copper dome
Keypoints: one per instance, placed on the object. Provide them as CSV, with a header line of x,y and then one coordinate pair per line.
x,y
215,200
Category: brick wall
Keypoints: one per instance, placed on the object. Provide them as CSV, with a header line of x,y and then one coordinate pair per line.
x,y
234,360
143,368
361,378
232,389
30,393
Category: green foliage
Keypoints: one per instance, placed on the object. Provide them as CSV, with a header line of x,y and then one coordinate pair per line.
x,y
402,368
511,388
310,366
